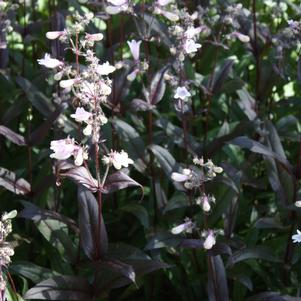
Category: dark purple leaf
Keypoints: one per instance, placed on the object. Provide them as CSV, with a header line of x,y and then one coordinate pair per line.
x,y
94,243
139,211
12,136
38,135
217,280
109,279
221,75
9,181
256,147
140,105
166,160
247,104
119,180
120,267
252,253
272,296
61,288
268,223
37,214
163,240
36,97
157,87
79,174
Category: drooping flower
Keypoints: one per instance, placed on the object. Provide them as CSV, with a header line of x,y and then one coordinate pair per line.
x,y
133,74
297,237
94,37
117,159
170,16
298,203
105,69
52,35
49,62
117,6
242,37
191,46
192,31
135,48
81,115
65,148
181,177
210,240
68,83
204,201
164,2
185,227
182,93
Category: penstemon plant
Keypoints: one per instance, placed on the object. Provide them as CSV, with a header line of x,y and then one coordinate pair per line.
x,y
174,124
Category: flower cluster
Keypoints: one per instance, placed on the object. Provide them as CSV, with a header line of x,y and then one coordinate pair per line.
x,y
193,179
91,85
6,248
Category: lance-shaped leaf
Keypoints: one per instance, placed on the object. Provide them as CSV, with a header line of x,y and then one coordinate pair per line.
x,y
258,252
157,87
247,103
9,181
38,135
93,241
217,280
36,97
37,214
61,288
166,160
221,75
109,279
119,180
12,136
259,148
31,271
140,105
119,267
79,174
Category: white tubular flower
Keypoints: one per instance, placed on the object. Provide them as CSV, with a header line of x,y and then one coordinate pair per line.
x,y
96,37
204,201
53,35
182,93
297,237
164,2
49,62
63,149
105,69
132,75
192,31
68,83
81,115
135,48
118,2
117,159
210,240
170,16
88,130
186,227
191,46
298,203
117,6
242,37
105,89
79,155
181,177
